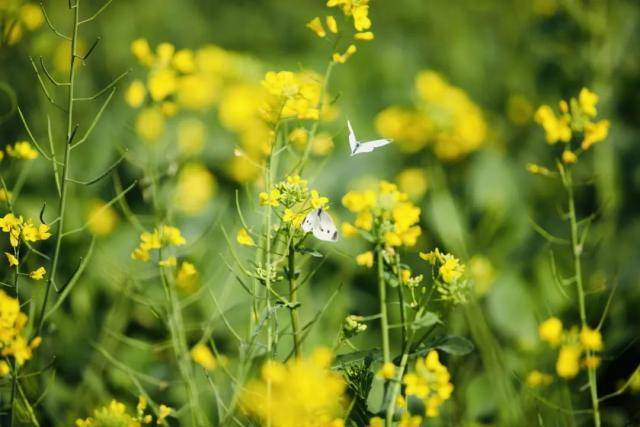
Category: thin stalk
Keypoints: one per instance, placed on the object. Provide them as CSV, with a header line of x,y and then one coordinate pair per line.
x,y
576,248
293,299
65,169
382,293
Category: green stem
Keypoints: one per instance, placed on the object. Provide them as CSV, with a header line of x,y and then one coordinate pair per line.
x,y
382,293
65,169
576,248
293,299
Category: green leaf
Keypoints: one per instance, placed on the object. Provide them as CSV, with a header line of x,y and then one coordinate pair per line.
x,y
308,251
455,345
429,319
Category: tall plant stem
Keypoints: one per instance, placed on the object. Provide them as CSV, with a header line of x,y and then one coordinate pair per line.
x,y
62,205
293,299
576,248
382,294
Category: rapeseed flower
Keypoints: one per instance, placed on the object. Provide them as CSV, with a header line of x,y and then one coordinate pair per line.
x,y
430,381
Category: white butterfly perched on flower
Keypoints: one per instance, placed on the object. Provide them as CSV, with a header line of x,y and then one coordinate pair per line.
x,y
358,147
321,225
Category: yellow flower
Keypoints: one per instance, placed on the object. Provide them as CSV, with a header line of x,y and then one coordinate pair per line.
x,y
302,392
536,379
195,187
150,124
342,58
364,220
568,363
332,25
392,239
387,371
299,137
5,369
184,61
357,201
172,236
38,274
595,132
13,261
244,238
556,128
451,269
168,262
430,382
316,26
186,277
317,201
142,51
163,412
367,35
569,157
321,144
413,181
551,331
31,16
365,259
587,101
591,362
161,84
102,218
361,19
272,198
202,355
348,230
591,339
135,94
22,150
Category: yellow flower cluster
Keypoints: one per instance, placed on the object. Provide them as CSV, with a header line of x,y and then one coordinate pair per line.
x,y
576,117
13,343
430,381
18,17
386,214
292,95
294,195
117,414
102,218
21,230
21,150
573,346
321,143
301,393
186,277
452,285
443,117
161,237
356,10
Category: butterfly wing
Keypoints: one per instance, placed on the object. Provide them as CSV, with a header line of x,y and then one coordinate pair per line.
x,y
325,229
353,142
310,222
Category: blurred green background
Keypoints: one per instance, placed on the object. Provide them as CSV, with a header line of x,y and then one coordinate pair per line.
x,y
479,206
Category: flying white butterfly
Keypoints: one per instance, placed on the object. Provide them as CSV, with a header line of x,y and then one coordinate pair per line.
x,y
321,225
364,146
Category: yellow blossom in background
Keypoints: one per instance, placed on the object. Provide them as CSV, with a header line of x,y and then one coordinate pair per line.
x,y
348,230
191,136
135,94
31,16
591,339
168,262
366,36
38,274
195,188
332,25
365,259
519,109
569,157
5,195
568,362
102,219
21,150
116,414
482,273
321,144
186,277
244,238
556,128
12,340
142,51
202,355
413,181
551,331
443,117
302,392
537,379
163,412
184,61
430,382
162,236
150,124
